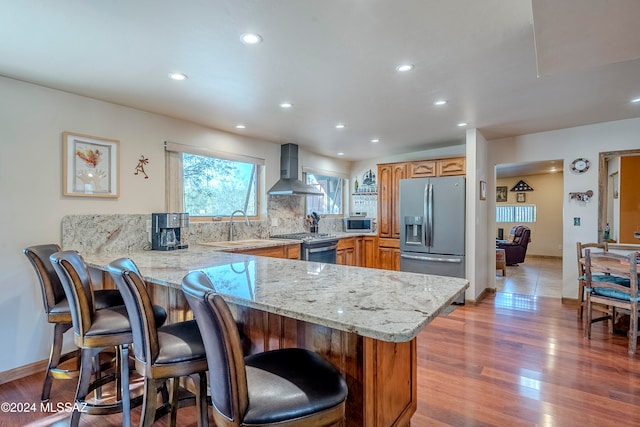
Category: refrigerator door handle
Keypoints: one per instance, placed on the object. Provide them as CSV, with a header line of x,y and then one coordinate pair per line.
x,y
430,258
425,234
429,215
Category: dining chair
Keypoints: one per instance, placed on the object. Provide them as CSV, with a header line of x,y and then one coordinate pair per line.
x,y
618,289
580,248
285,387
57,310
170,351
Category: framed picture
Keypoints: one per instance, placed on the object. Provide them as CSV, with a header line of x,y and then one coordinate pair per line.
x,y
501,194
483,190
521,197
90,166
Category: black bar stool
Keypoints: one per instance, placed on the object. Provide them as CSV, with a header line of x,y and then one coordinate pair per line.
x,y
95,330
170,351
56,307
286,387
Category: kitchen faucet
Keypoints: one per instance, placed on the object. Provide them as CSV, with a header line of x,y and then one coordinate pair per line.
x,y
246,221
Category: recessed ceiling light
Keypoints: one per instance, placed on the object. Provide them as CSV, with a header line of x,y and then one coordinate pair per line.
x,y
635,100
241,127
404,67
177,76
440,102
251,38
462,124
286,105
341,154
339,126
375,140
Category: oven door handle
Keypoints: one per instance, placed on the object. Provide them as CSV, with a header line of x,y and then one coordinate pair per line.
x,y
322,249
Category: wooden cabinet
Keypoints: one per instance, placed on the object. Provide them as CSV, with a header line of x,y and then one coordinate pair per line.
x,y
389,254
422,169
360,251
389,176
452,167
346,251
282,251
367,251
384,200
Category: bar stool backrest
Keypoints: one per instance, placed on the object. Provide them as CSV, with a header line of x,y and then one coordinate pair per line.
x,y
76,281
131,285
52,290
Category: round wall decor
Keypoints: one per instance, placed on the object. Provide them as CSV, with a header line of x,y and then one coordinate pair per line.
x,y
580,165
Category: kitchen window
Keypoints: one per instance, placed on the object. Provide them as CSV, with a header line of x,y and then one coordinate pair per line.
x,y
516,213
331,203
207,184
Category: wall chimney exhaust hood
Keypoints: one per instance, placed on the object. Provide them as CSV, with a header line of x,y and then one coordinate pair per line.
x,y
289,184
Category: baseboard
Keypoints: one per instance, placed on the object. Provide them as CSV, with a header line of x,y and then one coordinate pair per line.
x,y
542,256
484,294
23,371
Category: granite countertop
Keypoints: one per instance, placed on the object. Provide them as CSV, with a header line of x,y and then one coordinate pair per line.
x,y
244,244
386,305
238,245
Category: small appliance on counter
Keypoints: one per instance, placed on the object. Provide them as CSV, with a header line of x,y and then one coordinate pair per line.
x,y
357,222
169,231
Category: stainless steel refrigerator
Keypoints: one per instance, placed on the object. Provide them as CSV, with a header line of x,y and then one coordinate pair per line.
x,y
432,226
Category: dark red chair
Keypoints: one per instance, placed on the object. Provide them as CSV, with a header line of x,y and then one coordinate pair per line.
x,y
515,248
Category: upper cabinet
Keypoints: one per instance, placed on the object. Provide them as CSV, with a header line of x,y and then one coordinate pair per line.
x,y
422,169
389,176
451,167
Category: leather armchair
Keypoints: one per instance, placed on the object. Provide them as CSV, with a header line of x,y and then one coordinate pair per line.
x,y
516,249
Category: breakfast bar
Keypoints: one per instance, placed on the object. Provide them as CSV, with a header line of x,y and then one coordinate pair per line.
x,y
365,321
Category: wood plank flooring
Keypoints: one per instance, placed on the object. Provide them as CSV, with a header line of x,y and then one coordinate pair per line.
x,y
513,360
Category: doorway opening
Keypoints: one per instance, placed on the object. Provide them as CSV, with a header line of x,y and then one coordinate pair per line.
x,y
540,201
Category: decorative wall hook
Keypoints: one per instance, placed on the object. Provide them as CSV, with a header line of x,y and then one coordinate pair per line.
x,y
140,168
581,197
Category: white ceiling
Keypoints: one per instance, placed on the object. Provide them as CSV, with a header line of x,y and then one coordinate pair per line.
x,y
335,61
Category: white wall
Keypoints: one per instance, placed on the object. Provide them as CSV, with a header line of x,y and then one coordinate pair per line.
x,y
480,255
32,119
568,144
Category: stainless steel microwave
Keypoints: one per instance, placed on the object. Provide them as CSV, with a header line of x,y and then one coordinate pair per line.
x,y
358,225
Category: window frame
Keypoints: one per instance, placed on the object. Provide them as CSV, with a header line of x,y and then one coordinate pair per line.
x,y
513,207
343,187
175,190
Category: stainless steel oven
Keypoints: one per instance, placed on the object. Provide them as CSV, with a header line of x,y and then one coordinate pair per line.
x,y
317,247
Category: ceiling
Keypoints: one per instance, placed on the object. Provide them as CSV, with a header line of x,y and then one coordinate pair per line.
x,y
335,61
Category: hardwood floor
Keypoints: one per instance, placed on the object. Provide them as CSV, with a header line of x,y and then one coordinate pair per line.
x,y
513,360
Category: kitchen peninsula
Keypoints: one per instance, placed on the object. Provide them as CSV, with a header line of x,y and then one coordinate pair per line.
x,y
365,321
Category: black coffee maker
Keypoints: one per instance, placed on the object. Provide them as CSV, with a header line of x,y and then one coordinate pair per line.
x,y
169,231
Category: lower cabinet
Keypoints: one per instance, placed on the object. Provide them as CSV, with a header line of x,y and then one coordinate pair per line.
x,y
346,251
389,254
283,251
367,251
358,251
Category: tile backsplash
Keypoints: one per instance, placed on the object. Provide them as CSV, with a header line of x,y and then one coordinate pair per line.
x,y
127,232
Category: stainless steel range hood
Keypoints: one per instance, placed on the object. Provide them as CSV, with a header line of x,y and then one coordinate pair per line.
x,y
289,184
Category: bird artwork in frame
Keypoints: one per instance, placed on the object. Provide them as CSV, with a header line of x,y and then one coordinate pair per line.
x,y
90,166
